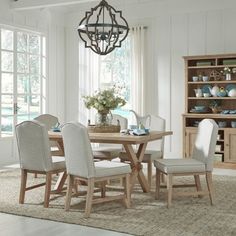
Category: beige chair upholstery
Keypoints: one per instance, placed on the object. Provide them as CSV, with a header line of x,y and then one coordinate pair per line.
x,y
155,149
48,120
109,151
80,166
201,163
35,156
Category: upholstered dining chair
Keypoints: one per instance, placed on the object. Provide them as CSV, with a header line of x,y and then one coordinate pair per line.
x,y
35,157
155,149
80,166
201,163
111,151
48,120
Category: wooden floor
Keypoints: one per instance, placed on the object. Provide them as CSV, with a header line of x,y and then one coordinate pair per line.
x,y
11,225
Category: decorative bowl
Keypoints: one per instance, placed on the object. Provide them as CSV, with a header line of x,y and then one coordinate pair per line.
x,y
205,78
195,78
200,108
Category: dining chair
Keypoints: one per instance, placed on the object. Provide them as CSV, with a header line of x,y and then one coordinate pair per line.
x,y
201,163
35,157
81,167
48,120
111,151
154,149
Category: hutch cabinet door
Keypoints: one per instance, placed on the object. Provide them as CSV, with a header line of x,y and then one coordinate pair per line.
x,y
230,145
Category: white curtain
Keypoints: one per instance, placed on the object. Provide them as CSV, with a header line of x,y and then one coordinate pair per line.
x,y
138,46
89,81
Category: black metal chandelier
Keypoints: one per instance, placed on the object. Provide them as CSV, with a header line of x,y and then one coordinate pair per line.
x,y
103,28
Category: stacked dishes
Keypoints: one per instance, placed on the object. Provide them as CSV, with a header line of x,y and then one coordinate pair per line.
x,y
231,90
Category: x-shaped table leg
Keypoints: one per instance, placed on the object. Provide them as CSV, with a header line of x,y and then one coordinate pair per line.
x,y
136,165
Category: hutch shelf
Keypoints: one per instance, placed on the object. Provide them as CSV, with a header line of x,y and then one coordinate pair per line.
x,y
207,95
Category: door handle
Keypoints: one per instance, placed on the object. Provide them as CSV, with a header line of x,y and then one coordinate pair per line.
x,y
16,108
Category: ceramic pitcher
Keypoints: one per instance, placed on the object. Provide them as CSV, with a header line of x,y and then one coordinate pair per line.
x,y
142,119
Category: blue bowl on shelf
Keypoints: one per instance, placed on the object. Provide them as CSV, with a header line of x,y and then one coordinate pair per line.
x,y
200,108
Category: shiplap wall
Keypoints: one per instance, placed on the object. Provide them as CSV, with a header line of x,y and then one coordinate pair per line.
x,y
178,28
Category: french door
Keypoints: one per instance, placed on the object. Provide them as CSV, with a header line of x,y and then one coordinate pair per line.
x,y
23,78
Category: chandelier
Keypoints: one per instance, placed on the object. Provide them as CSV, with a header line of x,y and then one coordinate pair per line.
x,y
103,28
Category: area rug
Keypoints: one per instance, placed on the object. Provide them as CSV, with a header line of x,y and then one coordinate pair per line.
x,y
188,216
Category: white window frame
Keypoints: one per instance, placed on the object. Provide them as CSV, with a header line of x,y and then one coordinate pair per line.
x,y
42,74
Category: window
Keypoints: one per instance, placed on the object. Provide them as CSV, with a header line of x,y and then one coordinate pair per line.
x,y
124,67
116,70
22,77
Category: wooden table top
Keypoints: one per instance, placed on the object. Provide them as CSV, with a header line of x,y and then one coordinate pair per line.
x,y
118,138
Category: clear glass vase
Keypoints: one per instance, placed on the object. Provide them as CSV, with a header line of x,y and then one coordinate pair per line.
x,y
228,76
103,119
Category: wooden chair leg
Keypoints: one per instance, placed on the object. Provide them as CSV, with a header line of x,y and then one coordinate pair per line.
x,y
89,197
169,189
23,186
158,176
103,189
70,182
75,186
162,178
127,191
210,186
47,189
149,170
198,184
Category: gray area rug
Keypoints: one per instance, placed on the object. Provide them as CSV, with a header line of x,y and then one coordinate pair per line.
x,y
188,215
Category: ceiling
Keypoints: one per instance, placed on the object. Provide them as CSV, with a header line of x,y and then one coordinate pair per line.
x,y
70,5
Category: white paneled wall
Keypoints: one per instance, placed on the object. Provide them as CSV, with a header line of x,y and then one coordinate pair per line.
x,y
179,28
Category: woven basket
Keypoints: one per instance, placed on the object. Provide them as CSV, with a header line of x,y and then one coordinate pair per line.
x,y
104,129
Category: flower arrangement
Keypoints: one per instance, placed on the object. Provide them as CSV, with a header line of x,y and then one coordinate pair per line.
x,y
227,70
104,101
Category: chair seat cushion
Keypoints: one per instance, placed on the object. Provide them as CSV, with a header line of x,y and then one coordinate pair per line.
x,y
186,165
108,168
104,152
58,162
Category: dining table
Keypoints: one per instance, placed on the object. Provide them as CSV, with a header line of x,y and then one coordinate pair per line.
x,y
128,141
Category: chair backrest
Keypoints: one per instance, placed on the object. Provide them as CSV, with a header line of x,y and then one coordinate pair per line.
x,y
48,120
78,151
157,124
204,146
33,146
122,121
